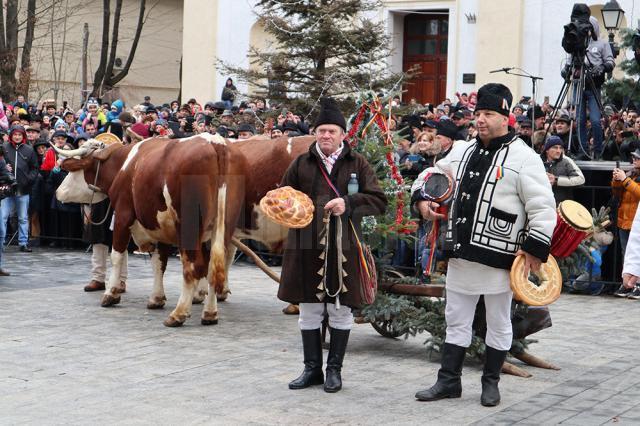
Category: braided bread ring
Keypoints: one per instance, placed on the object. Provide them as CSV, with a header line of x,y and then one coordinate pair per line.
x,y
288,207
536,295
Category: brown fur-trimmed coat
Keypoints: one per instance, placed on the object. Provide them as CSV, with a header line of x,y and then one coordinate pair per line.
x,y
300,278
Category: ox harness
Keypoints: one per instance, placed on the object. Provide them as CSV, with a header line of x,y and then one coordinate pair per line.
x,y
94,188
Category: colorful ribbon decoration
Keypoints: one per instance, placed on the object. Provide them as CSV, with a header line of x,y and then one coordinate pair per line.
x,y
378,118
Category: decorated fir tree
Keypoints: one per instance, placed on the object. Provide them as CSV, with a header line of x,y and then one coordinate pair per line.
x,y
321,47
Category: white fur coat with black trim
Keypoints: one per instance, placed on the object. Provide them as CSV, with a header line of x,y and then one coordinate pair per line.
x,y
502,201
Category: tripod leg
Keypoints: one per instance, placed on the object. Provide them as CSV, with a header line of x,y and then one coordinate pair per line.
x,y
564,90
596,112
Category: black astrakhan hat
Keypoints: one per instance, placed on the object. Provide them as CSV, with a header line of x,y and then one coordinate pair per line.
x,y
447,128
330,114
495,97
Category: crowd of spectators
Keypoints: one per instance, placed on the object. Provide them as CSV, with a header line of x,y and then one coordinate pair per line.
x,y
423,134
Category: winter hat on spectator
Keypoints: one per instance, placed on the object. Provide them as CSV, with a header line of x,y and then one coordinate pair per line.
x,y
82,136
432,124
526,123
447,128
91,101
537,109
59,133
20,129
161,122
564,118
246,127
636,153
290,125
227,113
412,121
330,114
552,141
61,123
141,130
40,142
495,97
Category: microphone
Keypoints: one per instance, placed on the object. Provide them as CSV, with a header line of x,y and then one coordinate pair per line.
x,y
501,70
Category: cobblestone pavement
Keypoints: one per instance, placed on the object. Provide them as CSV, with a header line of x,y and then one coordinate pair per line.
x,y
66,360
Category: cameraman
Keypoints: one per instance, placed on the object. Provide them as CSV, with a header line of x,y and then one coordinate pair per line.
x,y
598,61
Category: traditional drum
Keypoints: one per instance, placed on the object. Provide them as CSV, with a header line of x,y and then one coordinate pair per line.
x,y
546,288
574,225
288,207
437,187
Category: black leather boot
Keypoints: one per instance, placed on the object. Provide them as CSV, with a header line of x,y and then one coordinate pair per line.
x,y
491,376
337,348
448,384
312,373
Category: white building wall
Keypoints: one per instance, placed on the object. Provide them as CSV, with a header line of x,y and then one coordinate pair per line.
x,y
235,19
466,53
539,26
543,55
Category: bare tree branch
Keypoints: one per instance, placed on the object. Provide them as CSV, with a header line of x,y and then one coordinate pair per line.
x,y
100,71
114,41
125,70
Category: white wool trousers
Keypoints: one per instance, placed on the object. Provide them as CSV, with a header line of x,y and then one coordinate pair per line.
x,y
311,316
99,256
459,313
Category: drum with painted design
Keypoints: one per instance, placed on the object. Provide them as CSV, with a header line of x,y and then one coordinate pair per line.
x,y
574,224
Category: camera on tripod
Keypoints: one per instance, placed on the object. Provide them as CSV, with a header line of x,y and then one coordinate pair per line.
x,y
578,32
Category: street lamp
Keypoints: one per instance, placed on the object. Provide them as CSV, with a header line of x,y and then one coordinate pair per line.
x,y
612,15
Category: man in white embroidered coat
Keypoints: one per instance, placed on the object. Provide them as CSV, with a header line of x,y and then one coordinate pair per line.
x,y
502,206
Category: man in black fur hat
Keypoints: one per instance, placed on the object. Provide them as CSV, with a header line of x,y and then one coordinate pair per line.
x,y
502,206
323,173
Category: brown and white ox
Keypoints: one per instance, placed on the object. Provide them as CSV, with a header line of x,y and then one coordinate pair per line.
x,y
266,162
165,192
264,165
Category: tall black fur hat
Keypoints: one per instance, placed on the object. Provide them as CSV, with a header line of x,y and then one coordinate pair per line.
x,y
330,114
495,97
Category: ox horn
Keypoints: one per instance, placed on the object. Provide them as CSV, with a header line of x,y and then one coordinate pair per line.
x,y
79,152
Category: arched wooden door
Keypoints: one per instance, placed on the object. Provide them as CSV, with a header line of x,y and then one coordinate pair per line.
x,y
425,45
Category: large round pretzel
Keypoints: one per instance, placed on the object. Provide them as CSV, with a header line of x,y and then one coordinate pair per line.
x,y
545,292
288,207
